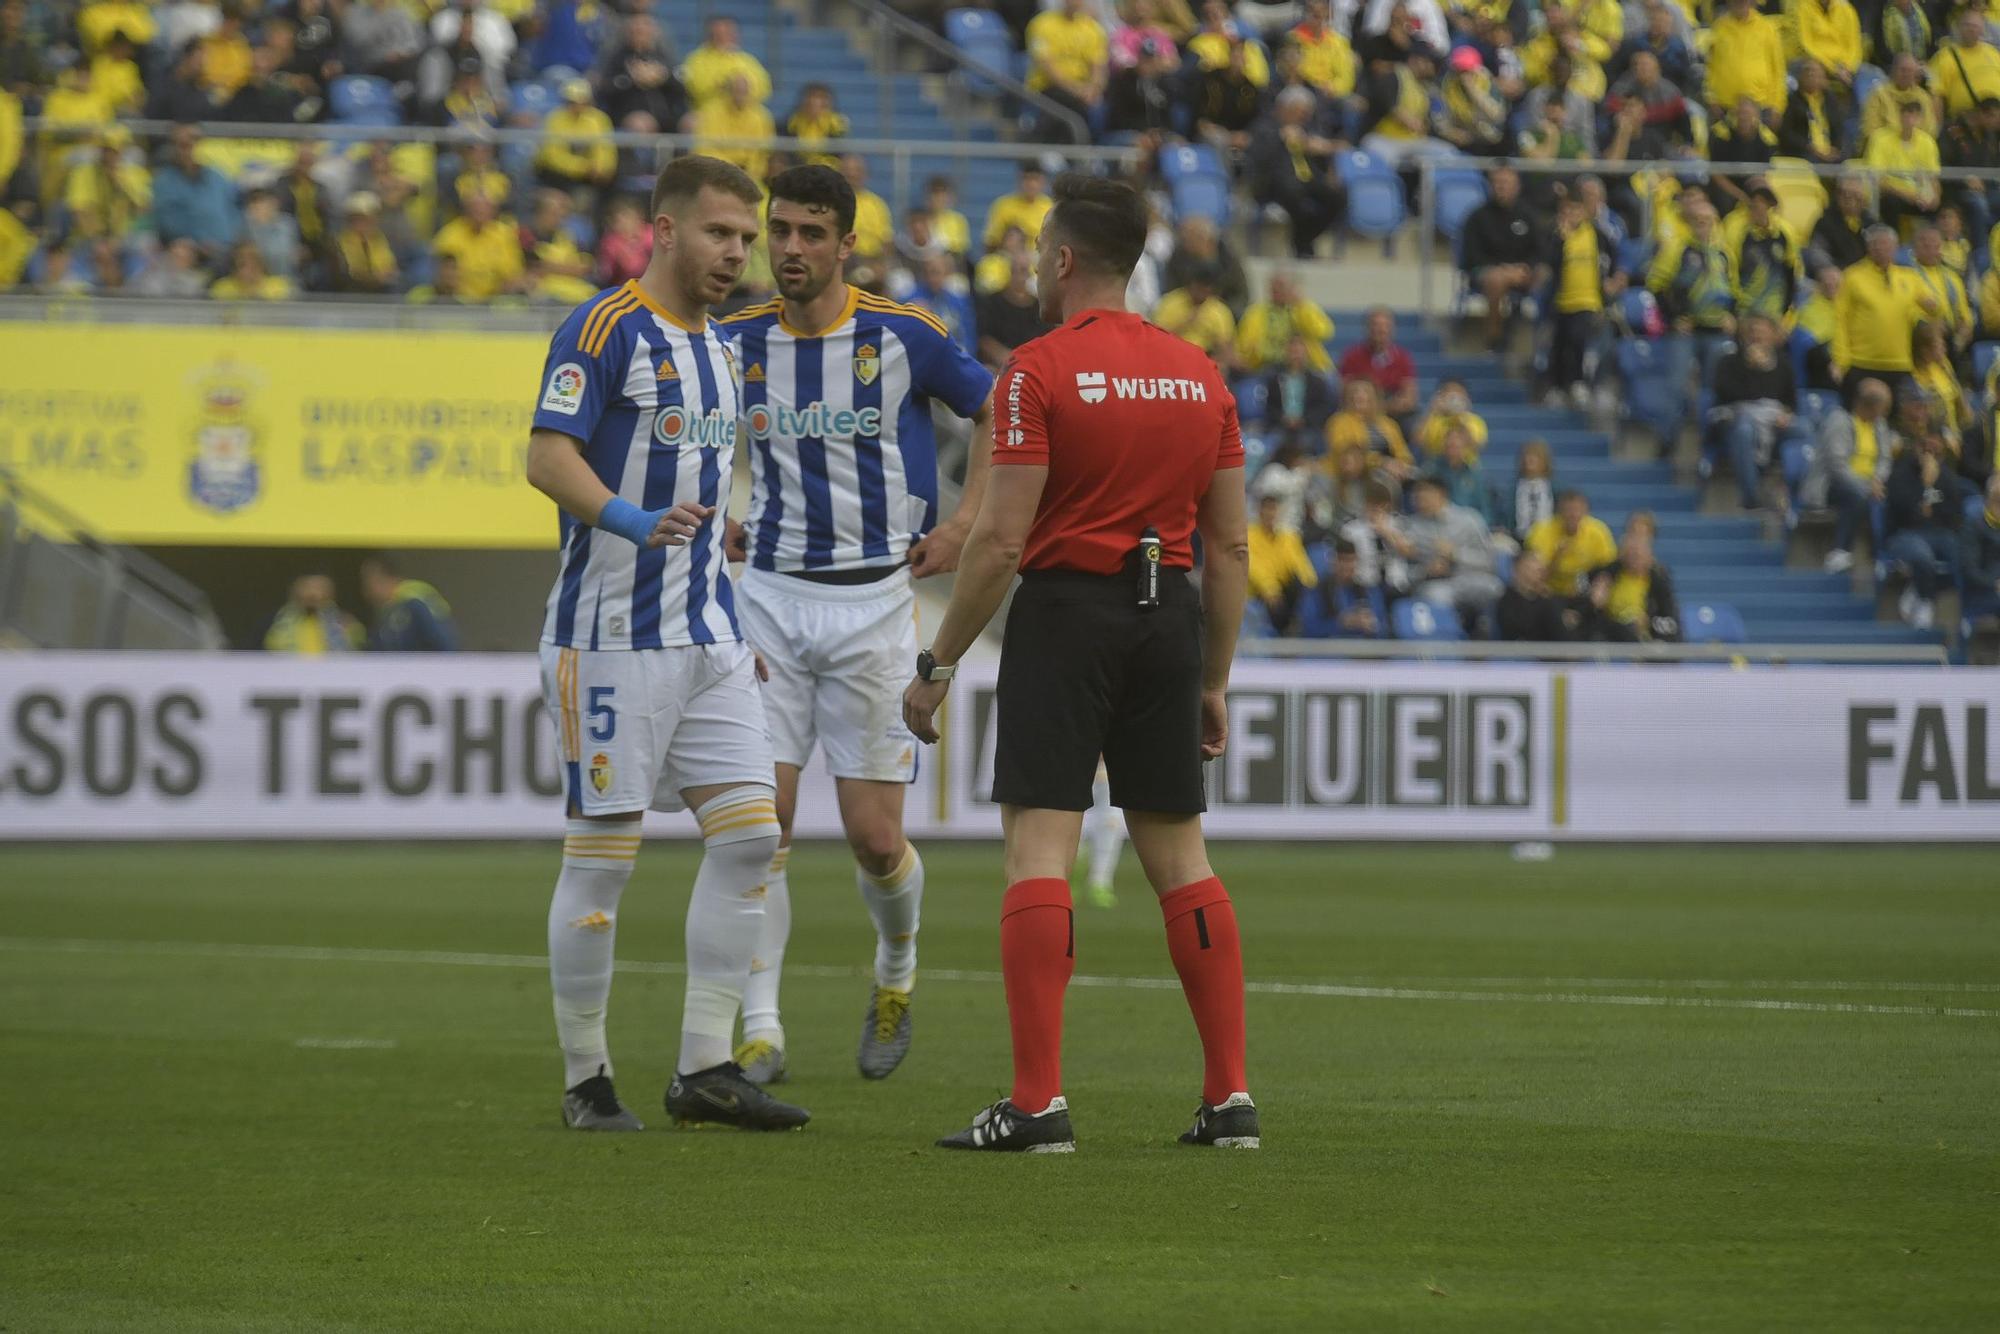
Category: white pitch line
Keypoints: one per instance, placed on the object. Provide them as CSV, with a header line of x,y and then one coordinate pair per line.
x,y
346,1044
1342,991
1690,984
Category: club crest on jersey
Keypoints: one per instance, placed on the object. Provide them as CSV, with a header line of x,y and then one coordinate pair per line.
x,y
867,363
675,425
600,772
1090,386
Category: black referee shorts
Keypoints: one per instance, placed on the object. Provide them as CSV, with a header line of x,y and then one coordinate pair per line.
x,y
1084,672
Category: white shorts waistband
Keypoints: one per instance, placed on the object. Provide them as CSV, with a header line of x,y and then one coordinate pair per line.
x,y
889,588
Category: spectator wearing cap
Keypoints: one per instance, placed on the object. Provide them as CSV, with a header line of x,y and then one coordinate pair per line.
x,y
576,152
1379,359
1279,568
486,250
1473,116
1068,63
1966,66
1746,58
736,115
816,124
1340,606
1451,557
1766,254
1196,314
710,67
193,200
1024,208
1572,542
1973,144
364,261
1143,93
1499,249
635,78
1291,166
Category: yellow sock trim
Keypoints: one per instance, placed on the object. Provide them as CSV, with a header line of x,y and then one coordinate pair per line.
x,y
903,871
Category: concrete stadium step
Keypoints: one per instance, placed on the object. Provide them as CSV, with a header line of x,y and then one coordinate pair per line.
x,y
1729,582
1887,633
1742,553
1675,525
1501,465
1611,498
1532,416
1565,444
1767,610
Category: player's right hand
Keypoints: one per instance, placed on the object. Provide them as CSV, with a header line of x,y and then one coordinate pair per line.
x,y
679,524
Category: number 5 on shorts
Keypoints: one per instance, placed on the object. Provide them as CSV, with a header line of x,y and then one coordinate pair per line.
x,y
603,718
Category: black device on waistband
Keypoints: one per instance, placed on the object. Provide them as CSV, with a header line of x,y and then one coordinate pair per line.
x,y
1147,555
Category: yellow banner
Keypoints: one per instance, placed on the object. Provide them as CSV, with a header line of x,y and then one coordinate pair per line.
x,y
277,437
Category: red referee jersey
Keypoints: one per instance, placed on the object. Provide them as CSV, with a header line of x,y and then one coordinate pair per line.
x,y
1133,423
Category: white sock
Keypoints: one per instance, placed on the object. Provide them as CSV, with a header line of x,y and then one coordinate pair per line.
x,y
895,902
1105,827
598,857
767,964
740,832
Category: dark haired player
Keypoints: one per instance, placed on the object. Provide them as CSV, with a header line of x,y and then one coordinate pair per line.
x,y
653,692
1114,441
837,391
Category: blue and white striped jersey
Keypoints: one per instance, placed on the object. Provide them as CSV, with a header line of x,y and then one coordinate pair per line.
x,y
656,405
844,462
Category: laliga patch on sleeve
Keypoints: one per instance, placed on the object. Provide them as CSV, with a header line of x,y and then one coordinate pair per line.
x,y
565,394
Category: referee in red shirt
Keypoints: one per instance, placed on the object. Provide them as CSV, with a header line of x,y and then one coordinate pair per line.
x,y
1114,441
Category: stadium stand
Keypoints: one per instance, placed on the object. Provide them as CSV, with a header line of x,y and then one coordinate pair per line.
x,y
1713,133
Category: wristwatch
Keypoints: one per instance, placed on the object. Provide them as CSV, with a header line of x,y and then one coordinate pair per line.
x,y
928,668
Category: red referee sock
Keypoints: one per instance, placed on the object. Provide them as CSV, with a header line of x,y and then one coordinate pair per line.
x,y
1037,956
1201,936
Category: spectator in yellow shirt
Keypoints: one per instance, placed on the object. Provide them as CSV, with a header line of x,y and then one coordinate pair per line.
x,y
107,195
1966,66
1572,542
576,152
874,224
17,244
948,226
364,261
1451,410
1943,283
1025,208
1362,425
1068,61
1910,157
1269,325
710,66
225,56
1197,315
486,248
1874,315
816,124
1904,86
735,115
1279,567
1211,47
97,23
1326,57
1746,59
115,77
481,176
247,279
71,113
1828,31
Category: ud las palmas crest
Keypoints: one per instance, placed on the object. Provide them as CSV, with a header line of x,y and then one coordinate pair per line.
x,y
867,363
224,474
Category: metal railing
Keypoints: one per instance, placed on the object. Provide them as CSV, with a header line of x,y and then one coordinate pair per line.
x,y
1829,175
1772,654
62,588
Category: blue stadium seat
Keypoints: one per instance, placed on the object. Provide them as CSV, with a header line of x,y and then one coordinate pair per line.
x,y
1800,345
1252,398
360,99
1202,196
1714,623
1867,79
533,101
982,36
1189,160
1375,204
1415,619
1633,256
1983,357
1651,397
1457,191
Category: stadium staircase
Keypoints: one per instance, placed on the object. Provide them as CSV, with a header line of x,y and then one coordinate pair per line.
x,y
1716,559
798,52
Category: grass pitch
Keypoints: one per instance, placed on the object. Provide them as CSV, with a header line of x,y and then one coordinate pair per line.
x,y
310,1088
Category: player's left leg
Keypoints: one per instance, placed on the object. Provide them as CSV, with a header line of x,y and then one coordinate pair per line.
x,y
890,876
718,765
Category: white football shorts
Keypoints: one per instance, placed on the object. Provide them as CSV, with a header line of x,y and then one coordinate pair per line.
x,y
635,727
839,657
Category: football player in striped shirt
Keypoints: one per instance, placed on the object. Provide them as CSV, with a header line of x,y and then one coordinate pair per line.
x,y
837,393
652,688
